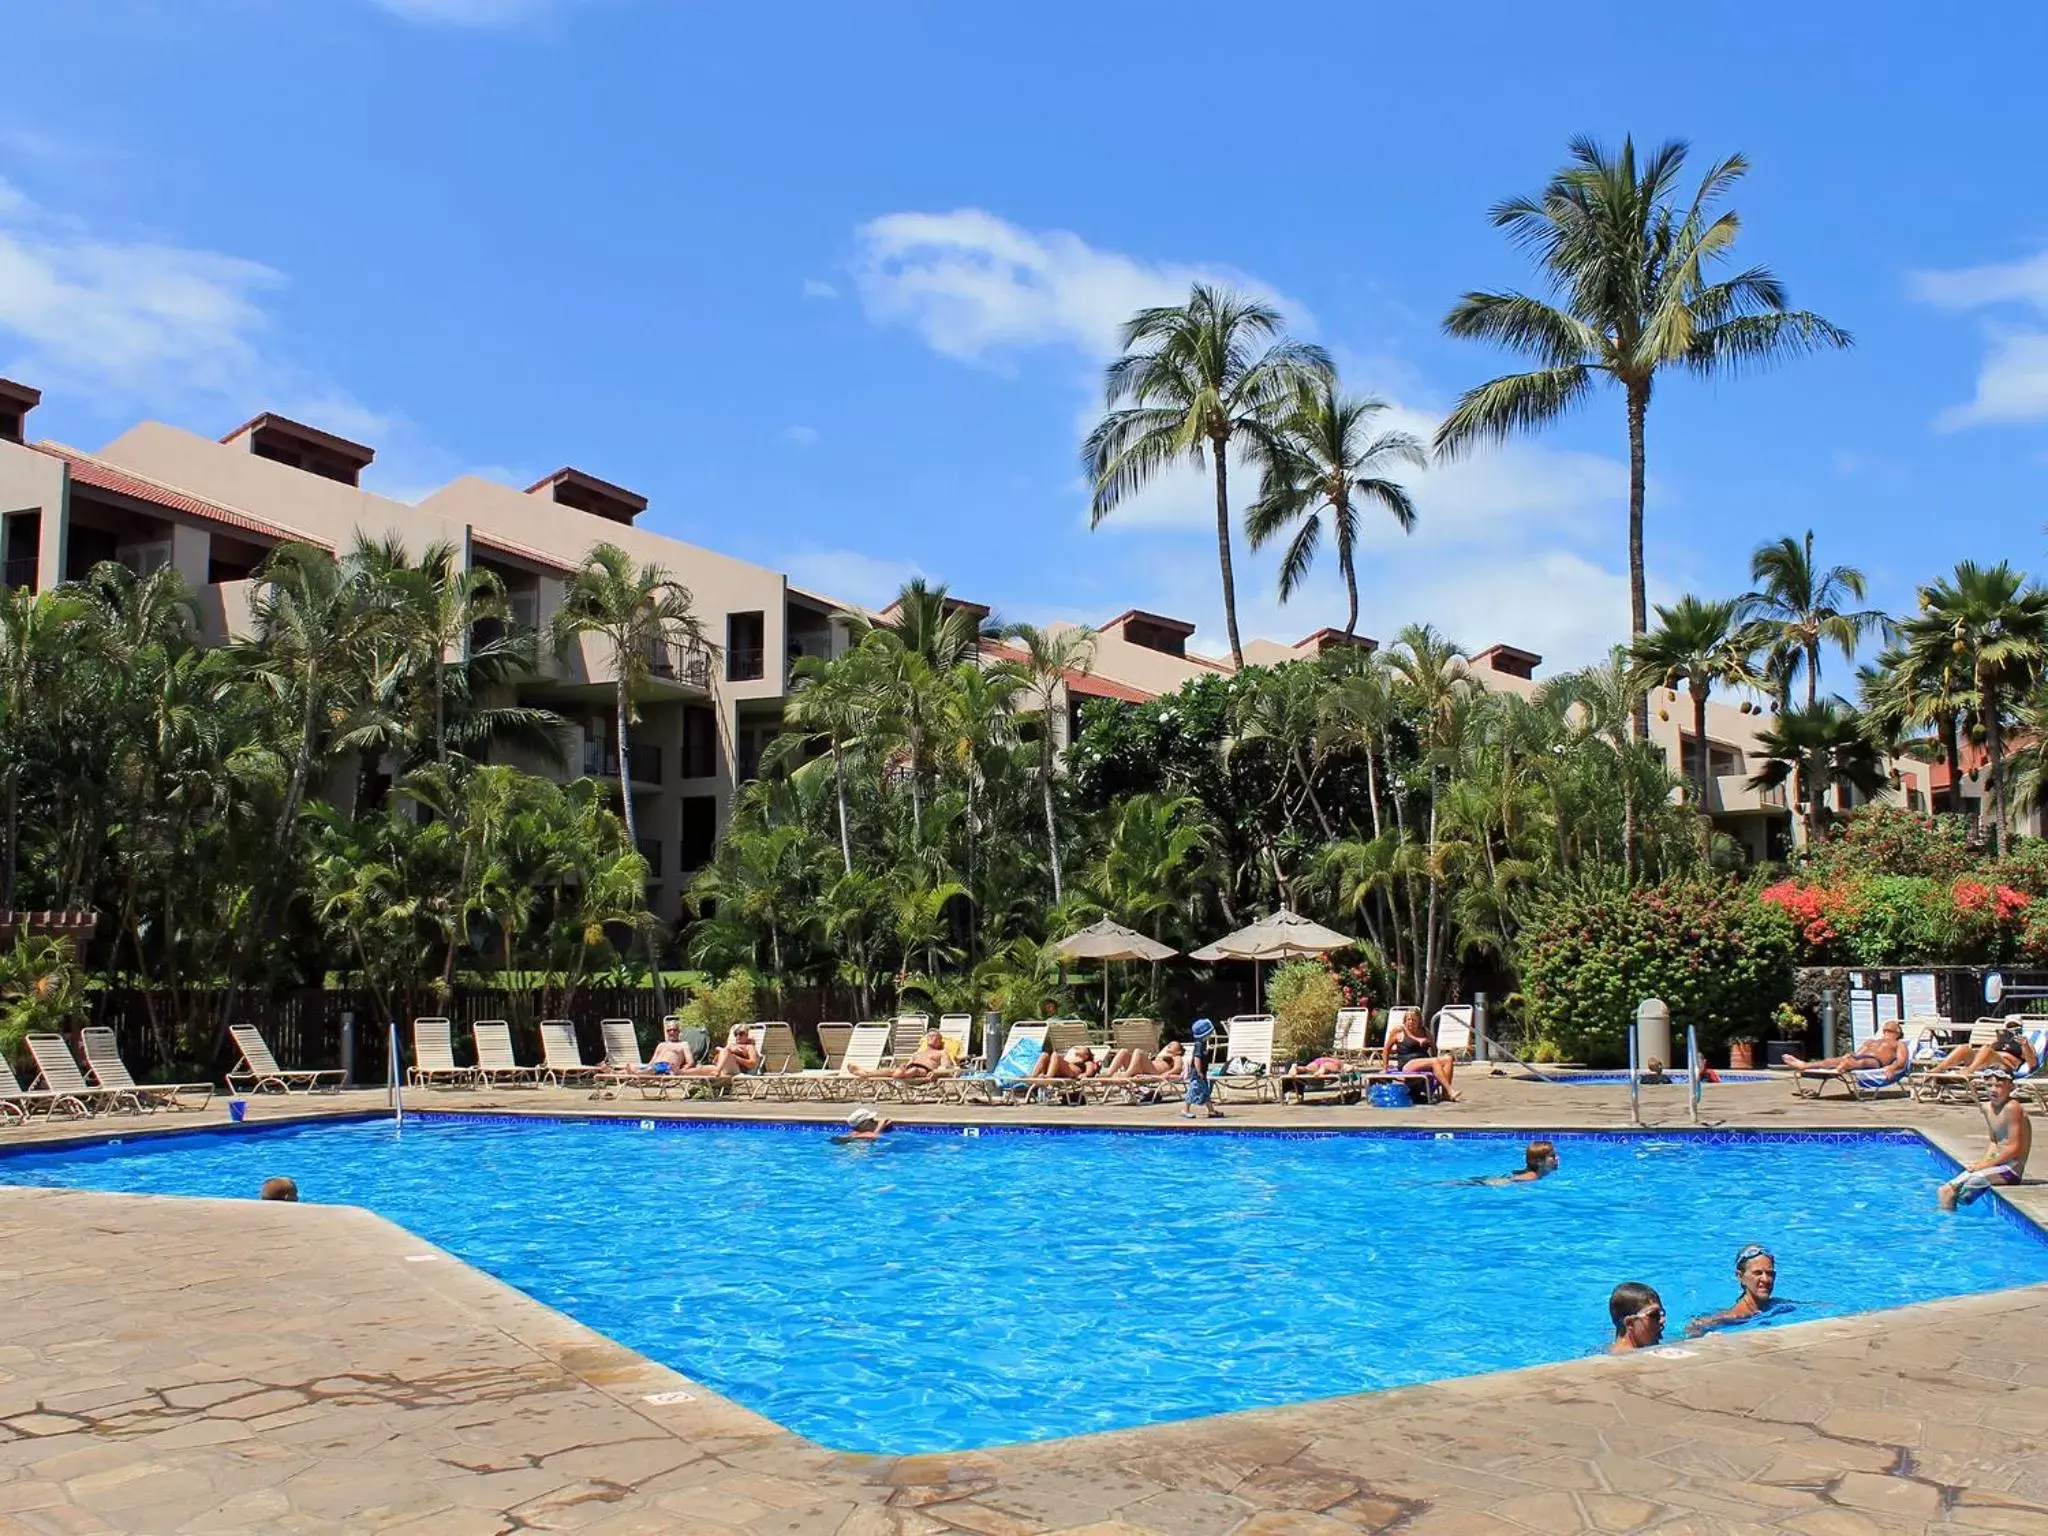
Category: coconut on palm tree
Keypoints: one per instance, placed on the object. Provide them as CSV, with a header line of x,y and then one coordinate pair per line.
x,y
1629,267
1821,744
1700,644
1194,381
1320,462
1799,609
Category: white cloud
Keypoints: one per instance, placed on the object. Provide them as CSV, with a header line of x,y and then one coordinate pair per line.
x,y
802,436
2012,383
848,575
813,289
976,286
137,320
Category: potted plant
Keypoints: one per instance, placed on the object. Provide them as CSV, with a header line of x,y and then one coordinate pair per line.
x,y
1788,1033
1741,1055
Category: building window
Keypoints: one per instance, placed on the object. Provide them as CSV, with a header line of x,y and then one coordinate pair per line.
x,y
1721,761
23,537
700,742
1915,801
744,637
700,830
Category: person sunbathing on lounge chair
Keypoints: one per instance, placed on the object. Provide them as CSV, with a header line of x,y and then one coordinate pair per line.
x,y
674,1051
1409,1049
738,1054
1882,1054
1757,1273
1053,1066
2011,1050
928,1061
1141,1063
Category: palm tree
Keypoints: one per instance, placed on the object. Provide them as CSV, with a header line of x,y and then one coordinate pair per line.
x,y
832,699
917,651
1323,456
1920,684
1199,378
1049,660
1629,267
1799,608
38,640
1995,624
639,611
1824,744
1700,644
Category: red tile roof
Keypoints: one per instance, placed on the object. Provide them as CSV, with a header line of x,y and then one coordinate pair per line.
x,y
522,552
102,476
1086,684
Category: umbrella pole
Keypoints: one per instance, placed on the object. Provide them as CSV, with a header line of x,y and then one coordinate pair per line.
x,y
1105,999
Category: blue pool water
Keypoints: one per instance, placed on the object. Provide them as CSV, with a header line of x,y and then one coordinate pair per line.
x,y
939,1291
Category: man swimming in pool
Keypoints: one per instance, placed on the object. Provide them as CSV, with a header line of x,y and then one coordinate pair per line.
x,y
1757,1273
1637,1312
2005,1157
863,1125
1882,1054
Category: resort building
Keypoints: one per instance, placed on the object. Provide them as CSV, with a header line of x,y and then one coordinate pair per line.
x,y
158,495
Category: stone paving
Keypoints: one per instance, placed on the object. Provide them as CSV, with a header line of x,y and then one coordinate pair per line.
x,y
229,1366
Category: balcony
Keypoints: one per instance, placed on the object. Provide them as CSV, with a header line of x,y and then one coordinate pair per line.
x,y
745,664
643,762
810,642
1730,794
688,664
21,572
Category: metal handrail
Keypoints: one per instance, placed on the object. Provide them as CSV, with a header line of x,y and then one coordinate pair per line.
x,y
1695,1078
1635,1079
396,1078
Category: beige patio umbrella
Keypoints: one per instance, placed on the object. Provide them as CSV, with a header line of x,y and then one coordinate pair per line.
x,y
1283,936
1107,941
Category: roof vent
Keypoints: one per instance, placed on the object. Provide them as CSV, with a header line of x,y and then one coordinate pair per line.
x,y
587,493
16,401
284,441
1154,631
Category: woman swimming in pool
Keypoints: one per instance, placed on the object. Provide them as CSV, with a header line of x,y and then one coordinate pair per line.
x,y
1757,1273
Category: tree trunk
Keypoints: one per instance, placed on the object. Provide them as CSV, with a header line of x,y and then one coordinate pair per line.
x,y
626,815
1699,737
1638,599
1812,672
839,781
1220,447
1952,750
1351,596
1994,747
1052,832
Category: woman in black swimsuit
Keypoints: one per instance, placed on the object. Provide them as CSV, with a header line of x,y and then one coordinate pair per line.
x,y
2011,1048
1410,1049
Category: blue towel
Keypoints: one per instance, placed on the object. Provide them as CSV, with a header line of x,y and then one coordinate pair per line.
x,y
1018,1058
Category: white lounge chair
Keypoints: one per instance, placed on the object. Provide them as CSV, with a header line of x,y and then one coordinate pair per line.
x,y
858,1075
957,1030
1355,1039
562,1057
623,1063
433,1057
497,1064
23,1103
103,1061
260,1072
1249,1040
1010,1075
57,1070
1454,1031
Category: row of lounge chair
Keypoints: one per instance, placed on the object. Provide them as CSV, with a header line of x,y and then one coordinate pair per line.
x,y
62,1088
1917,1077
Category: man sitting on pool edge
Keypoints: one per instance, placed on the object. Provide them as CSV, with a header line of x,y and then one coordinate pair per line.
x,y
2005,1157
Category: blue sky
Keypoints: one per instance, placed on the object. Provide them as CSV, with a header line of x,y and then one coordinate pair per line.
x,y
833,283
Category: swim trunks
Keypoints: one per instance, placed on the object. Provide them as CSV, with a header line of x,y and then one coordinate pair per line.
x,y
1972,1182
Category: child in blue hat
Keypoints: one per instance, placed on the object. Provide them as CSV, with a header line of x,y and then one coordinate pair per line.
x,y
1199,1086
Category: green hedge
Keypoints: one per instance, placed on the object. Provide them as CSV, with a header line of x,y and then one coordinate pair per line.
x,y
1709,948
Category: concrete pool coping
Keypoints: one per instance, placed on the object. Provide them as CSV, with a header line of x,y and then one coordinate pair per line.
x,y
447,1393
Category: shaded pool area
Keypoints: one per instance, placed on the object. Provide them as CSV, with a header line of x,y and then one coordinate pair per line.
x,y
950,1290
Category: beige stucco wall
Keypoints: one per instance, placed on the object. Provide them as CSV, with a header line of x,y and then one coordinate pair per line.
x,y
35,482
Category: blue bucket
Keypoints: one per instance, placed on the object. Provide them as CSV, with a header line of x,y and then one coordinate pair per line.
x,y
236,1109
1390,1096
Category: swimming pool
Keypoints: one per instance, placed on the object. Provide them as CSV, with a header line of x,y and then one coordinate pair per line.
x,y
946,1291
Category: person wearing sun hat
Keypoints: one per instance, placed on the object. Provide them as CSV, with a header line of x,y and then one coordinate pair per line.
x,y
863,1125
1199,1088
2005,1156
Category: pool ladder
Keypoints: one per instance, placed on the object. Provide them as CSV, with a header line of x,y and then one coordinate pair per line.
x,y
394,1074
1693,1076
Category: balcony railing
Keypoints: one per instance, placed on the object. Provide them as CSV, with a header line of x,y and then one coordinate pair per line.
x,y
682,663
816,643
601,761
744,663
21,572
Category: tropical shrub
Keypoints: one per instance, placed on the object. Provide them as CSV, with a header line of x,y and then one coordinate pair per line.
x,y
1304,997
1888,920
41,989
717,1007
1885,840
1709,948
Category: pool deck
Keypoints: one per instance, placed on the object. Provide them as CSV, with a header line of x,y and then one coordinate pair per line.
x,y
230,1366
